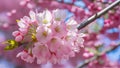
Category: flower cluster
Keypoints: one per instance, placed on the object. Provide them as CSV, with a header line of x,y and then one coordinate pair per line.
x,y
48,37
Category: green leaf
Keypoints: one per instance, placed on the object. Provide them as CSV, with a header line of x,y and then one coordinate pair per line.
x,y
11,44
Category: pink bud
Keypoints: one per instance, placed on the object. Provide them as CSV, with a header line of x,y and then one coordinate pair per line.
x,y
18,38
15,33
23,31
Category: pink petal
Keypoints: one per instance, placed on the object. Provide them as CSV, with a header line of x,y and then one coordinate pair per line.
x,y
18,38
15,33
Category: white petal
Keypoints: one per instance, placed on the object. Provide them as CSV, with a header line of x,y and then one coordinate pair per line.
x,y
59,14
21,24
39,17
32,15
72,25
71,22
82,35
47,16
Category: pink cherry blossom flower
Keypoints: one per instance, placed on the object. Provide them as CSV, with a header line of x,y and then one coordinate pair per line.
x,y
43,34
50,38
54,59
24,31
59,29
41,52
72,25
23,24
54,44
59,14
26,56
45,17
65,50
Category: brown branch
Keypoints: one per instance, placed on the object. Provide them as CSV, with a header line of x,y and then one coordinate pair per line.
x,y
97,15
86,62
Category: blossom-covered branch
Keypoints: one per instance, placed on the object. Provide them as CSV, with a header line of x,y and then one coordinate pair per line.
x,y
86,62
97,15
46,37
88,21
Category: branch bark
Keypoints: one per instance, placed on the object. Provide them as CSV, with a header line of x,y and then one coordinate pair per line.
x,y
97,15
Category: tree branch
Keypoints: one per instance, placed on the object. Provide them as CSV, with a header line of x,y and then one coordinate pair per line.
x,y
97,15
90,20
86,62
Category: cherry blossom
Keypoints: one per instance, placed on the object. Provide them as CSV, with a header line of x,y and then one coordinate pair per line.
x,y
49,39
26,56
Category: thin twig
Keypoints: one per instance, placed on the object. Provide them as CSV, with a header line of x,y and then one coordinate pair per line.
x,y
86,62
97,15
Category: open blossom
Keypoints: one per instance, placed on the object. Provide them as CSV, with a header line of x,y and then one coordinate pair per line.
x,y
59,29
43,34
59,15
26,56
72,25
48,36
45,17
54,44
41,52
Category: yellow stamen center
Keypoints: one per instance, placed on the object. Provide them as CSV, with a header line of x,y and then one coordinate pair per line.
x,y
44,33
57,29
45,21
